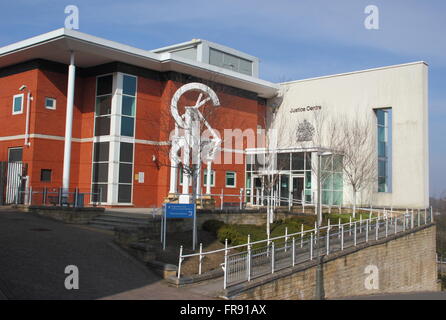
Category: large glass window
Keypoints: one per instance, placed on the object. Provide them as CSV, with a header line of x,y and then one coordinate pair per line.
x,y
332,180
122,108
128,113
125,172
283,161
100,171
297,164
104,88
128,106
384,142
228,61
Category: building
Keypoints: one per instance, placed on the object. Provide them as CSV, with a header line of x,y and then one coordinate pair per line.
x,y
94,115
394,102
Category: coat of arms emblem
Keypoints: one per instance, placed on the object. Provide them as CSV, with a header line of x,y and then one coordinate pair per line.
x,y
305,131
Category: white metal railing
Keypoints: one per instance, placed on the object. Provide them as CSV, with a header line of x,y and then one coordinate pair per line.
x,y
241,200
237,199
272,254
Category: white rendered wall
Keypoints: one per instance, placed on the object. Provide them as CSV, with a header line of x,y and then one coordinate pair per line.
x,y
404,88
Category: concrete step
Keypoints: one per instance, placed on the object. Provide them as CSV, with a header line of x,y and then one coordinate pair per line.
x,y
123,220
101,226
111,220
110,225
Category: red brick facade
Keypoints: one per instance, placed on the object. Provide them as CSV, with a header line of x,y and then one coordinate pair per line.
x,y
242,110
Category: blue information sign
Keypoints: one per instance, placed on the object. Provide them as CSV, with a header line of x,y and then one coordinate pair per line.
x,y
184,211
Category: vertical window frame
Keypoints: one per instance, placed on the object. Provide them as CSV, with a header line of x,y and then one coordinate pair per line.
x,y
388,146
126,138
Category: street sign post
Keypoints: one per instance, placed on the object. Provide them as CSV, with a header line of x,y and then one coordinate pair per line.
x,y
179,211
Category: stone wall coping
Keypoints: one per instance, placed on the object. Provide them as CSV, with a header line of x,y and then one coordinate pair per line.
x,y
68,209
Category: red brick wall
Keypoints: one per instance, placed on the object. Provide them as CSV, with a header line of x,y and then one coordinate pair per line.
x,y
153,123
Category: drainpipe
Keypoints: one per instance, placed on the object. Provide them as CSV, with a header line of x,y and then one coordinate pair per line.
x,y
28,113
69,124
28,104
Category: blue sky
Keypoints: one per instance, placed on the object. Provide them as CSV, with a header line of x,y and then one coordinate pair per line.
x,y
294,39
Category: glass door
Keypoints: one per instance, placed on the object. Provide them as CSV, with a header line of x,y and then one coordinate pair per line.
x,y
297,189
284,190
256,194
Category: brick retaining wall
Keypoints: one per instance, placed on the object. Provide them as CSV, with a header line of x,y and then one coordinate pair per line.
x,y
406,263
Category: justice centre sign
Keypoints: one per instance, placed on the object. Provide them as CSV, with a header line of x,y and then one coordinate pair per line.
x,y
305,109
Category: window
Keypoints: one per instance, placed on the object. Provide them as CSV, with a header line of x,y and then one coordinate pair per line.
x,y
128,105
332,180
230,179
50,103
45,175
101,151
17,104
125,172
283,161
127,117
205,175
99,193
228,61
15,154
298,161
99,179
113,160
182,174
100,172
384,142
104,88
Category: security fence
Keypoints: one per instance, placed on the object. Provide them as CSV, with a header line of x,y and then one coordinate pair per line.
x,y
255,259
12,177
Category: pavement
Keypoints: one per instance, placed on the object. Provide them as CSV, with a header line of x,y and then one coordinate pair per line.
x,y
34,252
403,296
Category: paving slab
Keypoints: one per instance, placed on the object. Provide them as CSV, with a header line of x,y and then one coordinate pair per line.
x,y
36,250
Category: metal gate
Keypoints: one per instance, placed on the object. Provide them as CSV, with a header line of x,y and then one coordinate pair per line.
x,y
12,182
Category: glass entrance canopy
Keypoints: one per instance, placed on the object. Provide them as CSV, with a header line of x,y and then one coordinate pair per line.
x,y
289,178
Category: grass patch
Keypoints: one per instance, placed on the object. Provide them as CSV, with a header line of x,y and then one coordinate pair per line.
x,y
237,234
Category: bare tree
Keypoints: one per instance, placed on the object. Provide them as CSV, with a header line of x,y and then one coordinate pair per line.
x,y
350,138
356,144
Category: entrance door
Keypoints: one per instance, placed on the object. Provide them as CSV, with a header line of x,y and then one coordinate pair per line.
x,y
15,177
297,189
256,191
284,190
